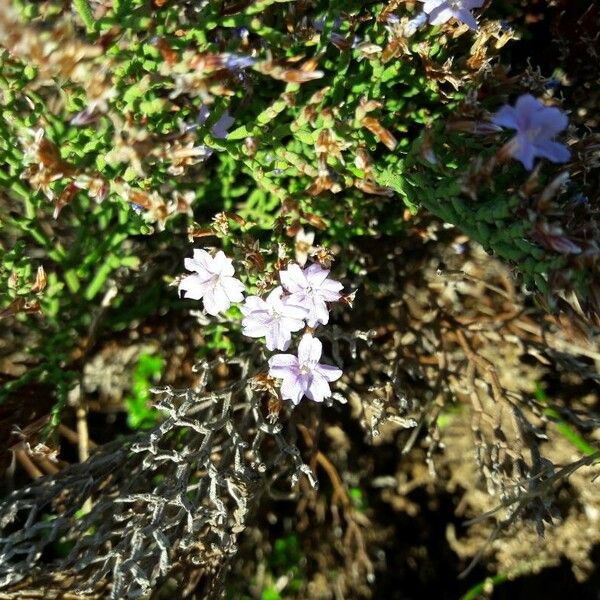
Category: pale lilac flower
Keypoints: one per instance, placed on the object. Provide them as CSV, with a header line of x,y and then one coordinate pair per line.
x,y
441,11
304,375
536,125
312,289
212,281
274,319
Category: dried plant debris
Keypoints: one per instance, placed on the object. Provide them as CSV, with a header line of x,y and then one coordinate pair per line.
x,y
171,502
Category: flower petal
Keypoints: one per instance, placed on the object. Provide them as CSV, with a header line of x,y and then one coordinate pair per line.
x,y
316,275
527,106
223,265
279,363
203,259
215,301
293,311
233,288
292,388
329,372
318,389
471,4
430,5
274,298
441,15
293,279
319,313
253,304
550,120
523,150
309,349
330,290
193,286
554,151
254,328
506,117
278,338
467,18
290,324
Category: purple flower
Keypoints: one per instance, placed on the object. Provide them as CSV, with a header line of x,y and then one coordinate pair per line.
x,y
304,375
237,61
536,125
220,128
212,281
441,11
274,319
312,289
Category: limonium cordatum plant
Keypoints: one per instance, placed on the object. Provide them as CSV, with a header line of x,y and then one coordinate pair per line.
x,y
252,154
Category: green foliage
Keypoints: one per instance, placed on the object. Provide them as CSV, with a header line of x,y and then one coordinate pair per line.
x,y
147,372
107,167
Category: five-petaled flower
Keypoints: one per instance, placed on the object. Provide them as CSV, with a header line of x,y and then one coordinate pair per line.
x,y
312,289
274,318
212,281
441,11
536,125
304,375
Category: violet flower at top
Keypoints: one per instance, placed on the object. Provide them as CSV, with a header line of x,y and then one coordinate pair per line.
x,y
212,281
275,319
536,125
304,375
312,289
441,11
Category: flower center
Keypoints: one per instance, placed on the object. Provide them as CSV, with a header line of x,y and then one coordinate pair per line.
x,y
455,4
305,369
533,133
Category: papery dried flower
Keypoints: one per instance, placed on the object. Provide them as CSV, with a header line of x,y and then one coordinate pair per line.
x,y
536,125
274,319
212,281
303,245
312,289
304,375
441,11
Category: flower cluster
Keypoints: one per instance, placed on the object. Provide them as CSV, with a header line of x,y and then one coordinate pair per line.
x,y
301,300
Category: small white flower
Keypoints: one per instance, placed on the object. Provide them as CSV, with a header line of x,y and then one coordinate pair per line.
x,y
304,375
274,319
212,281
312,289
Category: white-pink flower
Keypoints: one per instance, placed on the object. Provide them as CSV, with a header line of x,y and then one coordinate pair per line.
x,y
312,289
212,281
441,11
274,319
304,375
